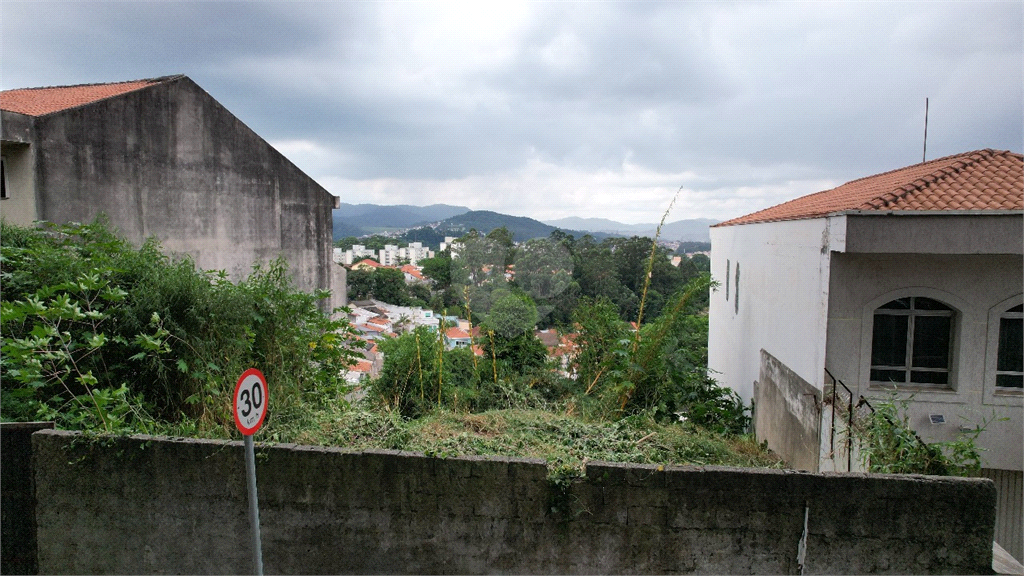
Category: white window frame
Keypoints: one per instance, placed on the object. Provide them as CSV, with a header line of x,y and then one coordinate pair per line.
x,y
995,395
953,392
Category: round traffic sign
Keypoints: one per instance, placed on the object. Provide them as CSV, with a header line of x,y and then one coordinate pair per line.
x,y
250,404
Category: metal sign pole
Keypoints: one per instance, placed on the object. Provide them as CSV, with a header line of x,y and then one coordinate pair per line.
x,y
250,407
254,509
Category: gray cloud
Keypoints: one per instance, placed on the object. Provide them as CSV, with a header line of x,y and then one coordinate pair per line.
x,y
558,109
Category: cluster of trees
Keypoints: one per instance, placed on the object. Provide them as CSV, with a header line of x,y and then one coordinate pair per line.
x,y
558,272
387,285
555,272
640,332
615,371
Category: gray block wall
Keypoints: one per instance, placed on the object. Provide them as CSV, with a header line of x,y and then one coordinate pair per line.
x,y
158,505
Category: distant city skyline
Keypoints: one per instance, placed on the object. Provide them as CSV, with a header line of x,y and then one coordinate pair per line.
x,y
553,110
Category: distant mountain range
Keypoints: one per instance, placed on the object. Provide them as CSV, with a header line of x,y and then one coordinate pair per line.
x,y
693,230
365,219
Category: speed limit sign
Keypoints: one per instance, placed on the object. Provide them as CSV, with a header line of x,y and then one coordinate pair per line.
x,y
250,404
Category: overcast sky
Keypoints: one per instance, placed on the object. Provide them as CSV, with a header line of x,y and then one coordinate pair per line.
x,y
557,109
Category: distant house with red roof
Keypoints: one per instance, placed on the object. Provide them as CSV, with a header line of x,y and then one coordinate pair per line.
x,y
367,264
909,280
455,337
160,157
413,274
358,371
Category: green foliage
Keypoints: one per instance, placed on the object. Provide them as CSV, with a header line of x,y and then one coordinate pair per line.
x,y
384,284
543,269
565,442
514,355
104,336
439,269
511,314
662,370
100,335
702,262
888,444
346,243
503,238
55,346
702,401
602,345
691,246
420,375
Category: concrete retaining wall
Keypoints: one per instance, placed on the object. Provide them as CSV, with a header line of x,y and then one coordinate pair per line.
x,y
787,414
18,501
158,505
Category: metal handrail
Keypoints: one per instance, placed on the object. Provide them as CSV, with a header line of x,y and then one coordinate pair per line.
x,y
861,401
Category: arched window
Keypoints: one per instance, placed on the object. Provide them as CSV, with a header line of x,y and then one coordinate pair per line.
x,y
912,342
1010,361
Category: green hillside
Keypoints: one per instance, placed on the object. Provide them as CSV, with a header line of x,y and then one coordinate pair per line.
x,y
484,221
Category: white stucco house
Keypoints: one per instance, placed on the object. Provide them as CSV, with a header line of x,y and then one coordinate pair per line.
x,y
910,280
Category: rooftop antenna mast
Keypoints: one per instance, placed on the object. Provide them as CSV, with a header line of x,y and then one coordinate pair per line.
x,y
924,153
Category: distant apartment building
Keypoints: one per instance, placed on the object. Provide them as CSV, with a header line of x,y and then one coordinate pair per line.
x,y
354,254
390,255
415,252
447,244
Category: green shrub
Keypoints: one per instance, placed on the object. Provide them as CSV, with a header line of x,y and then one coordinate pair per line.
x,y
99,334
888,444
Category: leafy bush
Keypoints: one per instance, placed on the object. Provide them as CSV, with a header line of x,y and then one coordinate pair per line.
x,y
888,444
99,334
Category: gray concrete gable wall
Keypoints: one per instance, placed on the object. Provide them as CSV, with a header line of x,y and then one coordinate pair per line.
x,y
15,127
159,505
170,161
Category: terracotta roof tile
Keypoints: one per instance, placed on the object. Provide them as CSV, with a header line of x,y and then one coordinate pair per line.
x,y
361,366
42,101
456,333
370,263
981,180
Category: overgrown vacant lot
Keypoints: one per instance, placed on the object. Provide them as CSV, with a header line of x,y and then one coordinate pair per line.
x,y
101,336
562,441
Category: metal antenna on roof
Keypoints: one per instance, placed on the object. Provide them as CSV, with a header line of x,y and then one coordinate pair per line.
x,y
924,154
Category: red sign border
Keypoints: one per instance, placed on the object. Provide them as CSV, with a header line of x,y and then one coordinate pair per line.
x,y
234,403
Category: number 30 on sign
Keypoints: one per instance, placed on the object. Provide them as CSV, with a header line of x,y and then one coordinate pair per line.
x,y
251,396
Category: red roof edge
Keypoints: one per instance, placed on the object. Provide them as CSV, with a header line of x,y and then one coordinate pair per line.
x,y
879,192
45,100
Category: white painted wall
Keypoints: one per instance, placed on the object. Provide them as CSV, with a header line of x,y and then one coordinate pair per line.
x,y
783,294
